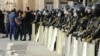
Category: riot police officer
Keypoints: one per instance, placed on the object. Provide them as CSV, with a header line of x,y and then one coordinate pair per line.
x,y
95,26
95,21
61,19
46,16
85,31
78,13
53,19
68,16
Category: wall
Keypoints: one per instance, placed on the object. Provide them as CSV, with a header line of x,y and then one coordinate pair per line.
x,y
31,4
19,4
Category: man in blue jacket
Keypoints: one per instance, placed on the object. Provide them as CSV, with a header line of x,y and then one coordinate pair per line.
x,y
13,28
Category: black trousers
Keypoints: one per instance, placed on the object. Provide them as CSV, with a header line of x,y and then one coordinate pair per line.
x,y
27,29
19,31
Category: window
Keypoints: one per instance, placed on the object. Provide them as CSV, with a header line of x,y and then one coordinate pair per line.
x,y
63,4
49,6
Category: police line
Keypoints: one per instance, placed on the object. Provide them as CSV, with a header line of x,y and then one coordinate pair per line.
x,y
55,40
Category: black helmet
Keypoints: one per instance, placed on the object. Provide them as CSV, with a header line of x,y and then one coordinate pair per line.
x,y
52,11
75,3
45,12
60,13
88,7
67,9
78,10
96,9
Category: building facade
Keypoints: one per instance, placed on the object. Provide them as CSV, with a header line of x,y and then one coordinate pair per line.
x,y
39,4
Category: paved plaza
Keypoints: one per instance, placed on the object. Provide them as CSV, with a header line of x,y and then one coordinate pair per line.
x,y
23,48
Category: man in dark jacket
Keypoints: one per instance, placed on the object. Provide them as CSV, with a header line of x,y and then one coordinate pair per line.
x,y
27,23
1,22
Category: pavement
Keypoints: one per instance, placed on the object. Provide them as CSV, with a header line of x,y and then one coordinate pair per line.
x,y
23,48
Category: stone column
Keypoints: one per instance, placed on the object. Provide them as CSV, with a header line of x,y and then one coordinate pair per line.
x,y
41,4
19,4
36,4
56,4
31,4
25,4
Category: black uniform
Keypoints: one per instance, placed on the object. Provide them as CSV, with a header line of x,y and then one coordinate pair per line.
x,y
96,26
78,13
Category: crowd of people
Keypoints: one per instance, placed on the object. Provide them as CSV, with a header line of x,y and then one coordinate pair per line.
x,y
78,20
16,24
